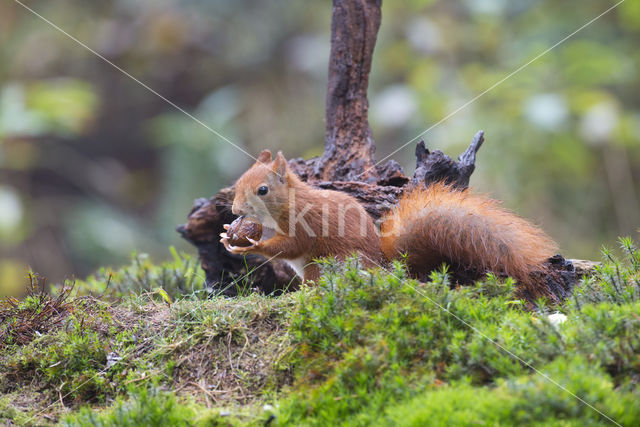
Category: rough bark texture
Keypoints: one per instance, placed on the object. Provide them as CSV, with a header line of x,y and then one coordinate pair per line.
x,y
558,277
349,146
435,167
347,165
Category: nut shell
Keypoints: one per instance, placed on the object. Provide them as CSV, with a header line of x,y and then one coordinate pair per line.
x,y
241,229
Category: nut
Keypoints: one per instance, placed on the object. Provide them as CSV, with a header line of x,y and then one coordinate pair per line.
x,y
241,229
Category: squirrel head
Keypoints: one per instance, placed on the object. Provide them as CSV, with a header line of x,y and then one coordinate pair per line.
x,y
262,191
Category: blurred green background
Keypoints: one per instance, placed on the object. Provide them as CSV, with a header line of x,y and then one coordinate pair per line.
x,y
93,166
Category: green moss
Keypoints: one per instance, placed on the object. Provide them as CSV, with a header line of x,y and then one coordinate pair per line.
x,y
73,360
178,277
359,348
12,413
366,341
147,407
527,400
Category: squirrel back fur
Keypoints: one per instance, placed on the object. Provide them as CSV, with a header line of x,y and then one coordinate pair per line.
x,y
438,224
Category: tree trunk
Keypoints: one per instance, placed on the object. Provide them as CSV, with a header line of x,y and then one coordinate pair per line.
x,y
349,147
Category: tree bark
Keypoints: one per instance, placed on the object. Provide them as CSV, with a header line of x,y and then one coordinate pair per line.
x,y
349,147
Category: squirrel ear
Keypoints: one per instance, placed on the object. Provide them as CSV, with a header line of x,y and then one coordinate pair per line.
x,y
280,166
264,157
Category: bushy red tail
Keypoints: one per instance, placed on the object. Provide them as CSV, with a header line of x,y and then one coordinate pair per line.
x,y
440,225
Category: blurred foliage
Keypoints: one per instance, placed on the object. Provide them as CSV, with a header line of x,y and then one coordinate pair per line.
x,y
94,166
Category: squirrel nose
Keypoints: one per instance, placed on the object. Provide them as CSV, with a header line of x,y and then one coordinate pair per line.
x,y
235,209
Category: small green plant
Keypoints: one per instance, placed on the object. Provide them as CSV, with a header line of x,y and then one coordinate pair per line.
x,y
21,321
147,407
176,278
615,280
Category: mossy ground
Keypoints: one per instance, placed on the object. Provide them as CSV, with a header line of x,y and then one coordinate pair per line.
x,y
361,347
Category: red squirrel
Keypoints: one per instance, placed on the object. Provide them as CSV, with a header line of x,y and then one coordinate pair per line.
x,y
432,226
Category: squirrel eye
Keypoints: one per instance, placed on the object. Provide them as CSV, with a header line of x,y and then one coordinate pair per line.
x,y
262,190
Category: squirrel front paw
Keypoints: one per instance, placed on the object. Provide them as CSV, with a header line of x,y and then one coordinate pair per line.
x,y
239,250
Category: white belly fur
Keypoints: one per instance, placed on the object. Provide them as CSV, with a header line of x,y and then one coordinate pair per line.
x,y
298,265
